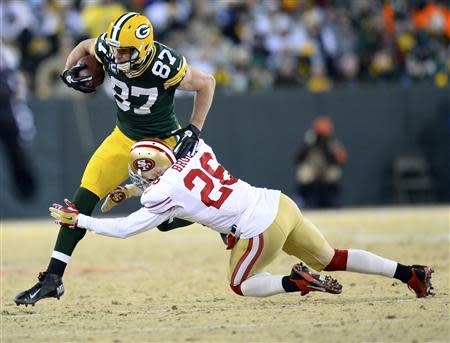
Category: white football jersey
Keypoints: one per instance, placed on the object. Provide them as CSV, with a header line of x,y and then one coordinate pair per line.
x,y
202,191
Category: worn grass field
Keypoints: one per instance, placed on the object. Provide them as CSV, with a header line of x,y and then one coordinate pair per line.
x,y
171,287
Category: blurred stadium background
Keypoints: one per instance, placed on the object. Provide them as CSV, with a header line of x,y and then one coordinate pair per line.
x,y
379,69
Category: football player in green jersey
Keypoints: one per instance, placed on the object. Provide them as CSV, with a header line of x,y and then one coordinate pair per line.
x,y
144,76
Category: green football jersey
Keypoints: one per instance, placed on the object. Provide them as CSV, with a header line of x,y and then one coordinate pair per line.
x,y
145,98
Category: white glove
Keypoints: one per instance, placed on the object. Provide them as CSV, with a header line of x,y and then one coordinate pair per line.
x,y
119,195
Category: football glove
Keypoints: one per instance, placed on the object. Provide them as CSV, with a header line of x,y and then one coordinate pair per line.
x,y
71,79
65,216
187,138
119,195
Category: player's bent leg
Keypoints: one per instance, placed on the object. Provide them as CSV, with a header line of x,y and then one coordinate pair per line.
x,y
308,244
260,285
67,238
248,259
106,169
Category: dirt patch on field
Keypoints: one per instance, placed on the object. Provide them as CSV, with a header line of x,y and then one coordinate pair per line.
x,y
169,287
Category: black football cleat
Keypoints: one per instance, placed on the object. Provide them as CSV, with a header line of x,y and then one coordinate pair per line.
x,y
49,286
307,281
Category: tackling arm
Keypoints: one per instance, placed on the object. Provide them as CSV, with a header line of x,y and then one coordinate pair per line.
x,y
137,222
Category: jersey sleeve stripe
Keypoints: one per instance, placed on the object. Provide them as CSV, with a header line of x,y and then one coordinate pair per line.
x,y
102,36
164,202
119,24
178,77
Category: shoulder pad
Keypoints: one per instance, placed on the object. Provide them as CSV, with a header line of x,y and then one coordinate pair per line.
x,y
176,79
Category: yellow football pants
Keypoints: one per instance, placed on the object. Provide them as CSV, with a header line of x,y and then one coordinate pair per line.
x,y
108,167
290,232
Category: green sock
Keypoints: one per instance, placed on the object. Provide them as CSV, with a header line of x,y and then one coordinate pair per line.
x,y
68,239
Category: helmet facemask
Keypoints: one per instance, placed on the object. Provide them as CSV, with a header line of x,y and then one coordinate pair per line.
x,y
132,63
137,179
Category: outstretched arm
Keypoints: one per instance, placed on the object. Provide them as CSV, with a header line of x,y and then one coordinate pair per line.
x,y
137,222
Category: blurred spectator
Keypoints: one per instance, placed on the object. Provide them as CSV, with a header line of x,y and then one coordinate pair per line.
x,y
98,14
254,45
319,160
33,28
16,124
48,74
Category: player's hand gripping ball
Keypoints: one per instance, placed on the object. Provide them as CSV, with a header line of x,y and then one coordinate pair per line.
x,y
85,76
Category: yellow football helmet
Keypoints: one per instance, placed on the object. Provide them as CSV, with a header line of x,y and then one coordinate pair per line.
x,y
134,32
149,159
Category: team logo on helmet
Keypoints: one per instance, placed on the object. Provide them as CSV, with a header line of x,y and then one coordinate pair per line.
x,y
144,164
142,31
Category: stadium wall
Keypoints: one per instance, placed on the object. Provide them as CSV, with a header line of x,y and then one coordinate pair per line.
x,y
255,136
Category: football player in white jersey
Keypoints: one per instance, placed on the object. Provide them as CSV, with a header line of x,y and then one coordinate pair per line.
x,y
259,222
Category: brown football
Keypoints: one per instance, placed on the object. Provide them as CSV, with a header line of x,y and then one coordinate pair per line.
x,y
93,68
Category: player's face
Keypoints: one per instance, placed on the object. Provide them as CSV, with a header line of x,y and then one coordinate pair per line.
x,y
154,173
121,54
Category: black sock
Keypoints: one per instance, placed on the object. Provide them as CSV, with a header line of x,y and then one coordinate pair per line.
x,y
56,267
403,273
289,285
